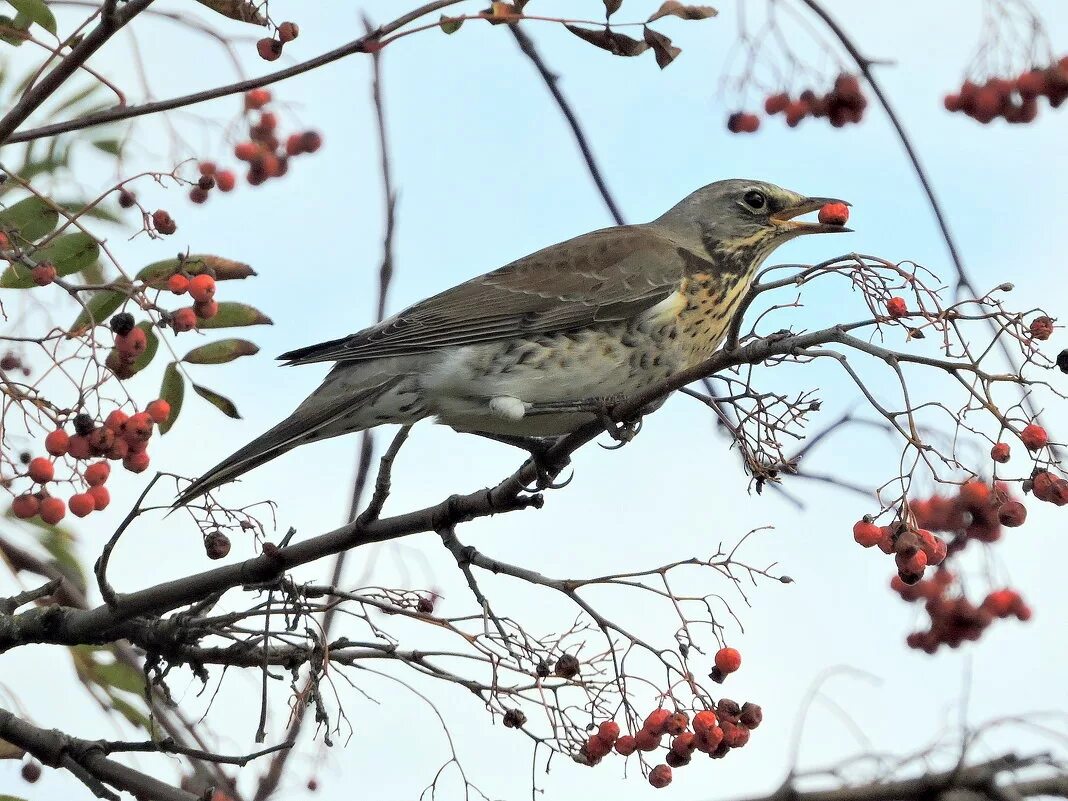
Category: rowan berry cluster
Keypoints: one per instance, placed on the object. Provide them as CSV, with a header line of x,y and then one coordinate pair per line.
x,y
265,153
119,437
270,49
844,104
955,619
712,731
201,290
1013,99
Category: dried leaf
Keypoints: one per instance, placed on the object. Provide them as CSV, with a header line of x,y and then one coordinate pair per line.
x,y
221,352
241,10
450,24
173,391
615,43
664,50
220,402
611,7
673,8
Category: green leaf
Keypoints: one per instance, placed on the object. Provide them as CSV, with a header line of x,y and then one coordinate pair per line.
x,y
172,391
13,31
151,346
69,253
97,212
112,146
11,798
130,712
221,352
223,404
100,306
37,11
120,676
158,272
450,24
240,10
233,315
32,218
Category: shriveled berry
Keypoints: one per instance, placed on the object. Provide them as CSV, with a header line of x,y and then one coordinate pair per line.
x,y
1034,437
567,667
866,533
121,324
1000,452
514,718
656,721
136,462
911,564
684,744
596,749
288,31
44,273
216,545
133,344
163,223
25,506
311,141
1012,514
834,214
728,660
707,741
138,428
101,440
734,734
126,198
896,307
206,182
677,723
1041,328
646,740
53,510
1062,361
198,195
97,473
81,504
750,715
676,760
119,449
184,320
41,470
57,442
626,745
660,776
269,49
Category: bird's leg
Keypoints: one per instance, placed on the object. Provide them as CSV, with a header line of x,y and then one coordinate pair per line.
x,y
538,448
600,408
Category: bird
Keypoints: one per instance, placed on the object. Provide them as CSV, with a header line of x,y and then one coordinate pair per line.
x,y
534,348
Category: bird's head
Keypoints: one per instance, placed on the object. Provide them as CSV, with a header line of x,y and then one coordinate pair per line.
x,y
740,222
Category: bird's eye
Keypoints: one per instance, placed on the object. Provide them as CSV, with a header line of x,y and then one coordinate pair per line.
x,y
754,199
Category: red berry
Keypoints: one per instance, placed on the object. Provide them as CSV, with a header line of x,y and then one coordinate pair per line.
x,y
608,731
596,749
626,745
896,307
269,49
57,442
43,274
25,506
226,181
776,104
184,320
1041,328
116,420
79,447
684,744
138,428
951,102
97,473
136,462
288,31
41,470
159,410
660,776
163,223
202,288
656,721
911,565
257,98
734,735
53,510
975,494
933,547
704,721
1000,452
81,504
1034,437
132,344
206,167
728,660
268,121
246,151
646,740
1012,514
205,310
118,450
866,533
834,214
294,144
1031,83
178,284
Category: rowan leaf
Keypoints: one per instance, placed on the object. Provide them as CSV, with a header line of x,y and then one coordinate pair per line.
x,y
173,391
99,308
69,253
220,402
617,44
32,218
241,10
664,51
450,25
221,352
233,315
37,11
158,272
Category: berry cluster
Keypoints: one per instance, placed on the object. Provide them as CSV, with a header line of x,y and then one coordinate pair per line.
x,y
201,289
271,49
266,155
210,178
1013,99
713,731
914,549
120,437
955,619
844,104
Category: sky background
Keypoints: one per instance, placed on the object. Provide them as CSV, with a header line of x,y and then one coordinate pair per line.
x,y
487,172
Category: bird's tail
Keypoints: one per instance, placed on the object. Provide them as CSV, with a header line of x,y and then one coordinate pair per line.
x,y
304,425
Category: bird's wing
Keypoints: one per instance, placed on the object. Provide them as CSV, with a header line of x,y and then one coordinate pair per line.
x,y
612,274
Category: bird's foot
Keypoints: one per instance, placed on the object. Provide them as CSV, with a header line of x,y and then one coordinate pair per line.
x,y
539,448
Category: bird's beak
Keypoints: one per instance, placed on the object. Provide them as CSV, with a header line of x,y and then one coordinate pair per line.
x,y
785,219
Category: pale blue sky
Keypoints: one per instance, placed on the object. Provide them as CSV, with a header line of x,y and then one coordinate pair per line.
x,y
487,172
